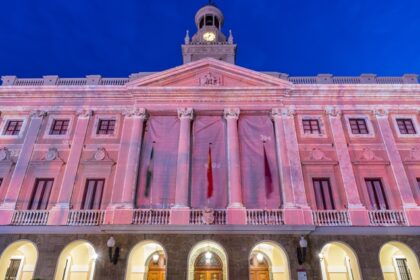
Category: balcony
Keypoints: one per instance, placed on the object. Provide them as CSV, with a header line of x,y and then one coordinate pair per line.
x,y
387,218
331,218
30,217
264,217
207,216
86,217
151,216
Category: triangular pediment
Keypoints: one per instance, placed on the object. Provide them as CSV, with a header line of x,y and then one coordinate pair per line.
x,y
209,72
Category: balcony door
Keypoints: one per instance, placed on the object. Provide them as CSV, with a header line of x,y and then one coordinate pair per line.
x,y
376,193
323,194
93,194
41,194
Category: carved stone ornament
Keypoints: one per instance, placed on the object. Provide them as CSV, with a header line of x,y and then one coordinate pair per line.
x,y
4,154
100,154
83,113
332,111
368,154
52,154
135,112
187,113
414,153
317,154
380,112
288,111
208,216
275,113
231,113
210,79
38,114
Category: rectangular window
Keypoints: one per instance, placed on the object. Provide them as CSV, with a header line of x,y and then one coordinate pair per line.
x,y
311,126
59,127
376,194
13,269
93,194
13,127
323,194
106,127
358,126
406,126
41,194
403,270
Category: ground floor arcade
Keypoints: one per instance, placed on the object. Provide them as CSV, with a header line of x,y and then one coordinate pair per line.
x,y
150,254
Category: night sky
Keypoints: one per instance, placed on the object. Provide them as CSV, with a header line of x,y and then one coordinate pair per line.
x,y
74,38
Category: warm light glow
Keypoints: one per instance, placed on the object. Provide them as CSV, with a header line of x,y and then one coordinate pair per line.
x,y
208,255
95,256
260,257
321,255
111,242
155,257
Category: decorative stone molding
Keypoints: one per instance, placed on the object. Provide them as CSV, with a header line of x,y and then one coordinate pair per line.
x,y
275,113
317,154
414,154
135,112
100,154
38,114
4,154
210,79
185,113
51,154
332,111
380,112
369,154
83,113
231,113
208,216
288,111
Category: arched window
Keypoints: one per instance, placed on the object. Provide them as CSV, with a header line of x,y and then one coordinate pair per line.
x,y
147,261
268,261
398,262
18,255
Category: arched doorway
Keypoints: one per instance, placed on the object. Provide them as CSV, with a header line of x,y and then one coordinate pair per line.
x,y
76,262
268,261
18,261
147,261
207,261
398,262
338,261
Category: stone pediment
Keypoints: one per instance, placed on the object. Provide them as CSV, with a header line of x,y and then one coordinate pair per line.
x,y
209,73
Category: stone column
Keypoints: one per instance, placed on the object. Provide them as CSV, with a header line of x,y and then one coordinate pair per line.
x,y
180,212
236,213
123,192
357,212
296,209
397,167
59,213
15,184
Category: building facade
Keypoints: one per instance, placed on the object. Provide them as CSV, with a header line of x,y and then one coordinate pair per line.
x,y
210,171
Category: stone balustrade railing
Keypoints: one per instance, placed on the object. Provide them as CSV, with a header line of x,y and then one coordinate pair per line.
x,y
202,217
86,217
30,217
151,216
331,217
387,218
264,217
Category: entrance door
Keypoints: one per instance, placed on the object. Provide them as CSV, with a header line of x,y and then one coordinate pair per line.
x,y
258,267
13,269
208,266
157,268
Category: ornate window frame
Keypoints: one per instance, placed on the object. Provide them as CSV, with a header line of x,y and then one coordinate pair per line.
x,y
8,118
50,122
98,117
320,120
413,118
368,122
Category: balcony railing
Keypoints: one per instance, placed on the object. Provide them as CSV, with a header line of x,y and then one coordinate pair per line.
x,y
208,216
30,217
151,216
86,217
331,218
264,217
387,218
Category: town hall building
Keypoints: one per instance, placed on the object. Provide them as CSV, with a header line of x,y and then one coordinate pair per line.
x,y
210,171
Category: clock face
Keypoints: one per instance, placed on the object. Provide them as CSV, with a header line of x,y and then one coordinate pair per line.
x,y
209,36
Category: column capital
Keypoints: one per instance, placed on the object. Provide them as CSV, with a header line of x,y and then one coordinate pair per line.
x,y
231,113
381,113
332,111
135,113
83,113
38,114
185,113
275,113
289,112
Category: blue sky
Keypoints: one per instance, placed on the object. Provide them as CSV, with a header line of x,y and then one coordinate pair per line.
x,y
74,38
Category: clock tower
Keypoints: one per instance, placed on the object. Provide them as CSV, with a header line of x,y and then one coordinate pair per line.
x,y
209,40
